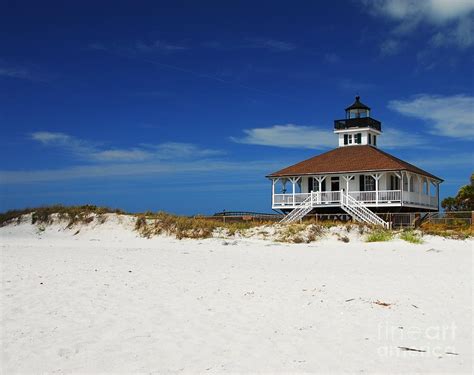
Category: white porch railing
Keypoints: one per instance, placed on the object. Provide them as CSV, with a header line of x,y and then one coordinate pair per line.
x,y
383,196
411,197
371,198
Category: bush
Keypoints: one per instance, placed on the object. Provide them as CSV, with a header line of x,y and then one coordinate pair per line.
x,y
379,235
186,227
43,215
411,236
300,233
448,230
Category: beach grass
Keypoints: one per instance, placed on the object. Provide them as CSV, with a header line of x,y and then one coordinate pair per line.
x,y
379,235
411,236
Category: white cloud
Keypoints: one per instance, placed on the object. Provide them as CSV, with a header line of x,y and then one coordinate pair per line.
x,y
395,138
90,151
434,11
289,136
451,116
447,160
308,137
174,150
450,21
462,35
157,168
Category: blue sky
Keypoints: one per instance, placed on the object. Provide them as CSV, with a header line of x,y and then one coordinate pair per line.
x,y
185,106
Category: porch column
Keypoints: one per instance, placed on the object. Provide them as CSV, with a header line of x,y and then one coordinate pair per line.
x,y
420,188
376,177
401,188
274,181
320,180
294,180
437,194
409,183
347,177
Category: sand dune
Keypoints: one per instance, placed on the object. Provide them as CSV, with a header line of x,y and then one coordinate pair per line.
x,y
106,300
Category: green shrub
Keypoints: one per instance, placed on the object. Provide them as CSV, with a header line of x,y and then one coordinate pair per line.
x,y
411,236
379,235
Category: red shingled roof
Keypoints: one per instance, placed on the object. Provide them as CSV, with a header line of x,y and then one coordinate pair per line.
x,y
350,159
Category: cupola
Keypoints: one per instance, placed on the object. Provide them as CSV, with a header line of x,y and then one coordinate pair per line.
x,y
358,128
357,109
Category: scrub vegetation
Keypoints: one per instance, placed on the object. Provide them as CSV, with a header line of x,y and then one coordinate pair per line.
x,y
46,214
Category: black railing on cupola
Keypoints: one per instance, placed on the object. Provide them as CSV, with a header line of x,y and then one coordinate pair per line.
x,y
358,122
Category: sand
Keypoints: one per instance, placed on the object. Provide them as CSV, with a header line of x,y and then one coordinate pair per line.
x,y
106,301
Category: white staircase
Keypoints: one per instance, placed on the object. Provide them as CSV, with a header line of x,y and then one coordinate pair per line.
x,y
359,212
353,207
299,212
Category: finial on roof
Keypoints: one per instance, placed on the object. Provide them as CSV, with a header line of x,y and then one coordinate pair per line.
x,y
357,105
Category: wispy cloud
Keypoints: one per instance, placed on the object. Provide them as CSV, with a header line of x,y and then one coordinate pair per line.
x,y
91,151
390,47
449,22
288,136
392,138
269,44
19,72
451,116
310,137
447,160
160,46
156,168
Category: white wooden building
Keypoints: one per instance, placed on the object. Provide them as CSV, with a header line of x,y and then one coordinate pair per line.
x,y
355,174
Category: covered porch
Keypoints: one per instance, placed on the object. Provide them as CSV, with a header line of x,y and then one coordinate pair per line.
x,y
374,189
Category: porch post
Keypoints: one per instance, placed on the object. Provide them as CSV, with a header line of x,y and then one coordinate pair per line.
x,y
409,183
293,181
437,193
320,180
347,177
420,188
274,181
401,188
376,177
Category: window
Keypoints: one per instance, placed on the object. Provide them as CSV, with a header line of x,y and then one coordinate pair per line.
x,y
369,183
334,183
350,138
345,139
405,184
316,185
375,140
370,139
358,138
394,183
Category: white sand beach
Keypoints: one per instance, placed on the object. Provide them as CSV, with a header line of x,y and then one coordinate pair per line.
x,y
105,300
